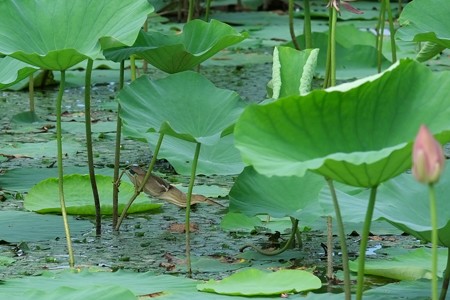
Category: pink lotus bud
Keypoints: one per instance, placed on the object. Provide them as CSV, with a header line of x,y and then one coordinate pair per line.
x,y
428,157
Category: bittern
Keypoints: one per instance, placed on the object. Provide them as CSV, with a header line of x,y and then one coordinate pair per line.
x,y
159,188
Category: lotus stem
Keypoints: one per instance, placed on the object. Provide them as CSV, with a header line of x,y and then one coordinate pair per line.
x,y
116,182
342,239
330,247
60,167
330,71
392,31
289,242
144,62
380,34
364,240
31,92
291,24
307,28
133,66
207,10
139,189
191,8
188,210
90,155
434,242
446,278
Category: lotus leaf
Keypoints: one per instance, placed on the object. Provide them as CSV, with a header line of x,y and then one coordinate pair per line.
x,y
185,105
43,197
172,53
360,134
425,21
12,71
83,28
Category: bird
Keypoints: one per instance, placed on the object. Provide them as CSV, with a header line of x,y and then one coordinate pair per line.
x,y
159,188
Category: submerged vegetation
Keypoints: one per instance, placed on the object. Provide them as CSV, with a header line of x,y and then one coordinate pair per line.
x,y
353,104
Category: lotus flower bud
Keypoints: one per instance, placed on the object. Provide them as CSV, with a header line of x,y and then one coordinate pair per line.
x,y
428,157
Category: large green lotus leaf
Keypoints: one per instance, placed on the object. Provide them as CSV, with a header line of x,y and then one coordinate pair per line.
x,y
254,282
12,71
360,133
198,41
57,34
43,197
254,194
21,226
220,159
415,264
425,21
185,105
404,203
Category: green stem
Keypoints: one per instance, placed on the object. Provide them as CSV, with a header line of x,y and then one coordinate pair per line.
x,y
330,71
60,167
133,66
188,210
341,232
191,10
391,31
380,35
144,62
289,242
291,24
31,92
139,189
434,242
364,240
116,182
446,278
90,154
330,247
207,10
298,234
307,28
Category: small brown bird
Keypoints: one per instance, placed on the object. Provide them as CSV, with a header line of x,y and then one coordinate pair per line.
x,y
161,189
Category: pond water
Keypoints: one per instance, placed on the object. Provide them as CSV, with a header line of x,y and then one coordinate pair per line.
x,y
151,241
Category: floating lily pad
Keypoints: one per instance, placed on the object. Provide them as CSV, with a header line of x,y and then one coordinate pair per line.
x,y
415,264
38,150
21,226
254,282
43,197
140,284
23,179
